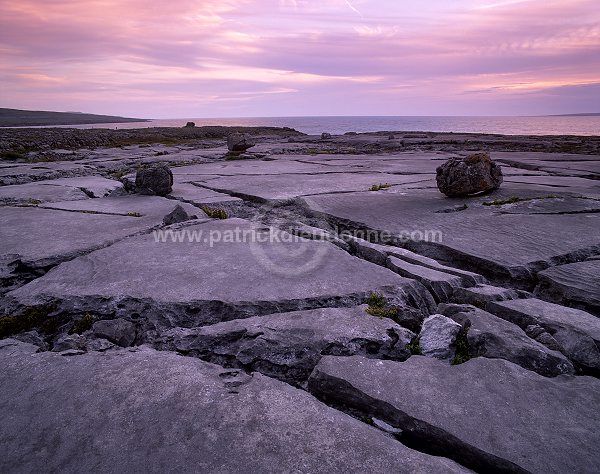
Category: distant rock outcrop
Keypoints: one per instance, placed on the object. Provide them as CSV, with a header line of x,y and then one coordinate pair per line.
x,y
154,181
190,125
325,136
471,175
239,142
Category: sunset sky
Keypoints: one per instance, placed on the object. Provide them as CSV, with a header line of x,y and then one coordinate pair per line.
x,y
219,58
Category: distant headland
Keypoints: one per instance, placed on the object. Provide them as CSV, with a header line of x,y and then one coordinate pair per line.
x,y
25,118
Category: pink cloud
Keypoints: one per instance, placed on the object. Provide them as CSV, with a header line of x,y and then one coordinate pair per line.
x,y
276,57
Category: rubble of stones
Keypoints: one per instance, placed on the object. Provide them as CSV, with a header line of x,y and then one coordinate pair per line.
x,y
391,328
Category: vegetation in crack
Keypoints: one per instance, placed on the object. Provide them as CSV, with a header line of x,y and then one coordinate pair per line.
x,y
379,307
214,213
513,200
380,186
84,324
463,349
415,347
34,317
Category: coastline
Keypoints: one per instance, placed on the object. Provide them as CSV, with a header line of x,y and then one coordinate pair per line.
x,y
35,143
320,284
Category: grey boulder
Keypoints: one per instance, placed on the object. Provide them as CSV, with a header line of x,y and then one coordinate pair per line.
x,y
239,142
118,331
438,336
72,342
474,174
157,180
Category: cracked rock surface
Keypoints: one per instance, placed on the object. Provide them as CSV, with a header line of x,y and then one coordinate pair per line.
x,y
156,411
271,313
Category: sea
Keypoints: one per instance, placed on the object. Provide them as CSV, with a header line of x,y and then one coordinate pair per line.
x,y
587,125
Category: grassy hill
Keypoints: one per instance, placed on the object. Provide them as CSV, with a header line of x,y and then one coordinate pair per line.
x,y
24,118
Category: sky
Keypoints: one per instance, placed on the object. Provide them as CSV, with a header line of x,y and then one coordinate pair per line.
x,y
266,58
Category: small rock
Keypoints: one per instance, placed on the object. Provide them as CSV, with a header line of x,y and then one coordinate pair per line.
x,y
239,142
99,345
437,337
118,331
325,136
471,175
177,215
32,337
392,137
13,346
190,125
73,342
154,181
534,330
547,340
72,352
481,294
449,210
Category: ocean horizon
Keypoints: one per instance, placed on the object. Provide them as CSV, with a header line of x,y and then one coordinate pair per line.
x,y
585,125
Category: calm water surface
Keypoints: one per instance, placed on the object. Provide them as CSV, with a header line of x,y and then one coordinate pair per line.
x,y
583,125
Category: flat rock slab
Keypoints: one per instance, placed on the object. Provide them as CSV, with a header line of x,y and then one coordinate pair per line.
x,y
492,415
248,168
481,295
199,196
502,246
564,205
151,411
40,237
287,186
147,208
577,332
575,284
93,186
378,254
35,193
288,345
26,173
36,237
493,337
440,284
560,183
62,189
218,277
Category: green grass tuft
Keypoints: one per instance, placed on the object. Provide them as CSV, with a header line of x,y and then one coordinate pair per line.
x,y
119,173
415,347
11,155
379,187
379,307
84,324
515,199
463,349
35,316
214,213
501,202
